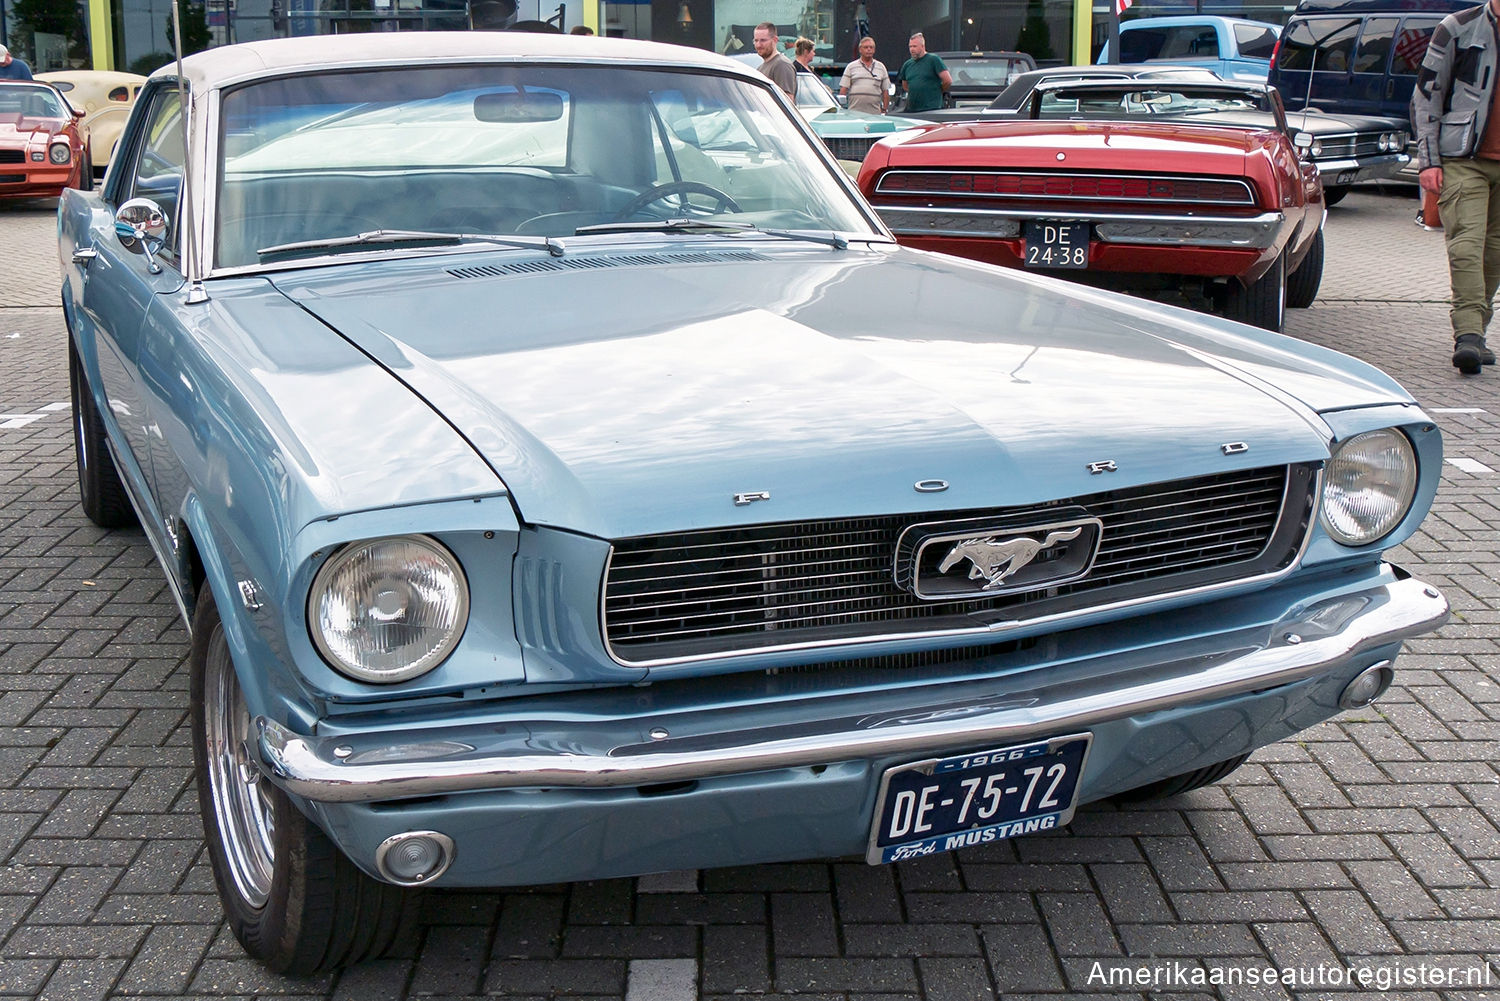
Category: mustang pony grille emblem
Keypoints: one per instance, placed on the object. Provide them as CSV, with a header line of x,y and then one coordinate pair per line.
x,y
980,558
994,561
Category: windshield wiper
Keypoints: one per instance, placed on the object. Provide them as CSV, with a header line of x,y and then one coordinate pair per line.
x,y
706,226
392,237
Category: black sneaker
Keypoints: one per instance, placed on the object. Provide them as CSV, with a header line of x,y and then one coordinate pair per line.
x,y
1486,356
1468,353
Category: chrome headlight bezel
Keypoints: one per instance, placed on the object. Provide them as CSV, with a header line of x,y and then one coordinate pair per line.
x,y
331,583
1316,149
1371,469
64,149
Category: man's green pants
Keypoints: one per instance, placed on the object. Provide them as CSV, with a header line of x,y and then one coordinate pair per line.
x,y
1470,209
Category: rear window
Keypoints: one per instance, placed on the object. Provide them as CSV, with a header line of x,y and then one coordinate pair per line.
x,y
1411,45
1183,41
1329,39
1255,41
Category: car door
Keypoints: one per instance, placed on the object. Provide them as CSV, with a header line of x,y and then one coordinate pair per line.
x,y
1407,50
120,284
1372,56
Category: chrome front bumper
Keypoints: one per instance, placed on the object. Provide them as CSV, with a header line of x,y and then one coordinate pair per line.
x,y
1157,229
1337,634
1352,170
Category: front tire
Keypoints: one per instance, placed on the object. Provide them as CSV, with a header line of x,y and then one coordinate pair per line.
x,y
1334,195
1302,284
1263,302
295,902
100,492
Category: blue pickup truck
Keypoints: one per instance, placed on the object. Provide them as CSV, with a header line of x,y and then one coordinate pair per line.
x,y
1234,48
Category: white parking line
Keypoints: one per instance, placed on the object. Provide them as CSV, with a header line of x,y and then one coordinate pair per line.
x,y
1467,465
21,420
662,980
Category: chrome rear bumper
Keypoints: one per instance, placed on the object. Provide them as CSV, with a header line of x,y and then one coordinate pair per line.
x,y
1338,634
1156,228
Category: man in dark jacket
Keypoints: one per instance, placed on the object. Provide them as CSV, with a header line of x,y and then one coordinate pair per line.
x,y
1452,109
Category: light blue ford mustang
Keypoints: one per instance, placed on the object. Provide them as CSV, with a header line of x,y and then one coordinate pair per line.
x,y
565,475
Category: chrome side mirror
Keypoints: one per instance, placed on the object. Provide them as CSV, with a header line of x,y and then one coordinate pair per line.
x,y
1303,142
141,227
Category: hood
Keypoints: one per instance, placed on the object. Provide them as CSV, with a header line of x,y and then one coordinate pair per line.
x,y
18,129
838,122
626,390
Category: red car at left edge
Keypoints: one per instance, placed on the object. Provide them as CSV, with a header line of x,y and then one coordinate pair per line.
x,y
41,150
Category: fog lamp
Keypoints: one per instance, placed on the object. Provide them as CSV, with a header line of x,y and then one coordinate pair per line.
x,y
415,857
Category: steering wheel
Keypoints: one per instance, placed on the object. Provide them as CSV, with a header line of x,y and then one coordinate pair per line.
x,y
660,191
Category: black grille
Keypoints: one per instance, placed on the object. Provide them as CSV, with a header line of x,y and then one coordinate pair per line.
x,y
850,147
714,591
1341,147
12,156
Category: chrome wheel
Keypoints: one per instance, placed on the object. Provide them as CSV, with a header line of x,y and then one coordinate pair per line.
x,y
244,812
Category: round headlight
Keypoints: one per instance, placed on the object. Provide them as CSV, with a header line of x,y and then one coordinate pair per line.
x,y
59,153
1385,141
388,610
1317,148
1368,486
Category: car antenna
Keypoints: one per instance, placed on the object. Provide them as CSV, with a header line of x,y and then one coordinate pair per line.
x,y
196,293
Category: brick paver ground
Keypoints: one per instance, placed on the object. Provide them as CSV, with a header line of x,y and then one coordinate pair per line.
x,y
1372,840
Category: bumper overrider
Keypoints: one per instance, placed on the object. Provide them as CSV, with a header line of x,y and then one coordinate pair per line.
x,y
1146,228
655,787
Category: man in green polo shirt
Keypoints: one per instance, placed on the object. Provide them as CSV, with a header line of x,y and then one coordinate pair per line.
x,y
924,78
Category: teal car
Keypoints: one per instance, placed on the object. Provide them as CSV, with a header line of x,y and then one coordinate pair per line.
x,y
564,475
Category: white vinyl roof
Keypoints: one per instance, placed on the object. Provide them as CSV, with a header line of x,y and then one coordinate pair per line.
x,y
275,57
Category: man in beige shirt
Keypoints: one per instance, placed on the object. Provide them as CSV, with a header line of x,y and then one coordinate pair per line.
x,y
777,67
866,81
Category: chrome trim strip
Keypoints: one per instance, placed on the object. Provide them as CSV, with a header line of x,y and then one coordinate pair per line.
x,y
1006,626
881,189
398,764
1191,233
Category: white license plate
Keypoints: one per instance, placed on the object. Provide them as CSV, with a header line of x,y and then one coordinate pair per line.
x,y
970,799
1057,244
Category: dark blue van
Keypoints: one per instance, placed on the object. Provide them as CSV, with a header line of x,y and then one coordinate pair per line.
x,y
1362,55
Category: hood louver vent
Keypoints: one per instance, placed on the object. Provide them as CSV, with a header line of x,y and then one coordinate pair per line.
x,y
592,263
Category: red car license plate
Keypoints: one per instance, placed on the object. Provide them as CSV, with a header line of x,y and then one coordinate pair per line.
x,y
969,799
1057,244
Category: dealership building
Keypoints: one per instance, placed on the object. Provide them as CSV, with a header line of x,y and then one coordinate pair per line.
x,y
133,34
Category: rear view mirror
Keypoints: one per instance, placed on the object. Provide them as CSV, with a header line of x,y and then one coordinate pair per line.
x,y
1303,141
519,107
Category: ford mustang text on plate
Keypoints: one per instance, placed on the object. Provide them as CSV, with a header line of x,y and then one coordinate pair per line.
x,y
566,476
1138,184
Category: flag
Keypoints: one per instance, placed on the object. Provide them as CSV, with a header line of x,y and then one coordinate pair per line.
x,y
1121,6
1411,46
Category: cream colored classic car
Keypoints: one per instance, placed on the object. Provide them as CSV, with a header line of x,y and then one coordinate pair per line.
x,y
105,97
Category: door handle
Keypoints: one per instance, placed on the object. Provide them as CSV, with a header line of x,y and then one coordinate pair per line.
x,y
83,255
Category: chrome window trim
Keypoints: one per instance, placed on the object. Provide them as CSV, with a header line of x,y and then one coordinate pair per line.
x,y
880,188
999,628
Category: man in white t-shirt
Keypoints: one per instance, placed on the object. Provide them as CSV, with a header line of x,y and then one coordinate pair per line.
x,y
865,81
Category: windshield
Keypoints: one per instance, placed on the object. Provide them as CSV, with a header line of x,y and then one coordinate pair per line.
x,y
539,151
1158,102
995,73
813,94
18,102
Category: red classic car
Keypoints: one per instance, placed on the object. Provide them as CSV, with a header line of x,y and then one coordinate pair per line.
x,y
41,150
1138,185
